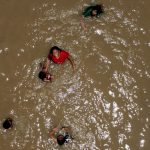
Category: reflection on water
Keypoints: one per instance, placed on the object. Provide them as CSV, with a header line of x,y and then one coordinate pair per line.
x,y
106,101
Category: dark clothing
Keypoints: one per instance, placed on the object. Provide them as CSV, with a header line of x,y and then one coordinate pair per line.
x,y
88,11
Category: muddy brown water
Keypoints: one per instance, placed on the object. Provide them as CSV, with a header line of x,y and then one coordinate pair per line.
x,y
106,101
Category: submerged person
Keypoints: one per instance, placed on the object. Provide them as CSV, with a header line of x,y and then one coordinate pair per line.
x,y
61,135
59,56
92,11
44,75
8,123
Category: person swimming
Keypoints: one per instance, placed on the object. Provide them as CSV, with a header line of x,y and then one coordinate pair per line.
x,y
8,123
59,56
91,11
44,75
62,135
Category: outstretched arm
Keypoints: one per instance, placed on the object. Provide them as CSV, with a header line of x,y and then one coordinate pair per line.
x,y
45,65
52,133
83,24
72,63
45,80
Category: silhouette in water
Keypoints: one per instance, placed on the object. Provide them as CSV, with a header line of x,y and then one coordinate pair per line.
x,y
61,135
8,123
91,11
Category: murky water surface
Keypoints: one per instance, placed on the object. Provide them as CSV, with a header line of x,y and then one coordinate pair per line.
x,y
106,101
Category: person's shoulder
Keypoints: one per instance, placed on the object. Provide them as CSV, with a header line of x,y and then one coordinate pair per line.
x,y
65,52
87,11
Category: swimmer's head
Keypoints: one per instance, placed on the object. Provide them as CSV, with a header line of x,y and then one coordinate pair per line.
x,y
42,75
61,140
97,10
54,50
56,53
94,12
45,76
8,123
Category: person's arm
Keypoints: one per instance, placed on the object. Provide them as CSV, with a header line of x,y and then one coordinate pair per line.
x,y
52,133
72,63
45,65
67,129
45,80
83,24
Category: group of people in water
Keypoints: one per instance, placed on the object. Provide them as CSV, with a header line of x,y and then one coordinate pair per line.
x,y
60,134
58,55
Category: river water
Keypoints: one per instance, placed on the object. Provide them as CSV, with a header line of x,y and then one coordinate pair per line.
x,y
106,101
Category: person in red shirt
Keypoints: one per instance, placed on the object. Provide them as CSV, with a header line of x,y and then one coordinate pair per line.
x,y
59,56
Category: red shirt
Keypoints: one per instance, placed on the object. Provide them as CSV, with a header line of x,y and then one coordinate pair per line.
x,y
63,56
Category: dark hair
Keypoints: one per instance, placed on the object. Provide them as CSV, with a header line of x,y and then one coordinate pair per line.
x,y
42,75
61,139
99,9
7,123
54,47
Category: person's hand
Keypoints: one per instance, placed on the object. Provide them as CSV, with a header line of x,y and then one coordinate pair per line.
x,y
53,132
55,129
